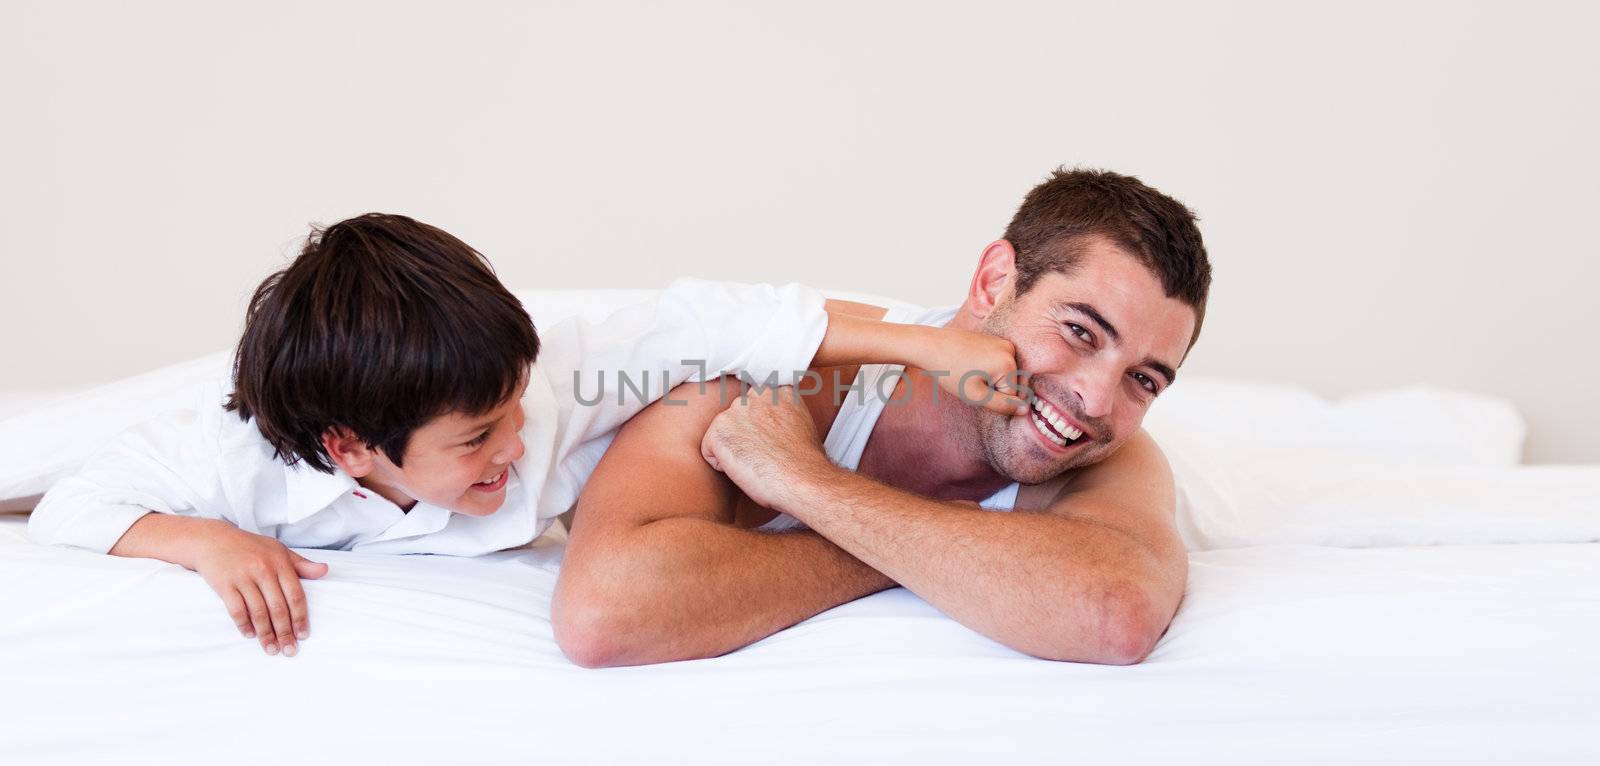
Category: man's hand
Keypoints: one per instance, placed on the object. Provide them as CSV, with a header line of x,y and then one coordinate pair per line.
x,y
761,440
259,581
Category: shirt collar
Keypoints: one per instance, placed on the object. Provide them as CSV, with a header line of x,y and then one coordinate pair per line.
x,y
310,490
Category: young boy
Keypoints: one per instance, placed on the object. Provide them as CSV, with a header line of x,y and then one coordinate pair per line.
x,y
390,395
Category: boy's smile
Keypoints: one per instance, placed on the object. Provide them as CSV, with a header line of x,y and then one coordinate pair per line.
x,y
455,461
495,484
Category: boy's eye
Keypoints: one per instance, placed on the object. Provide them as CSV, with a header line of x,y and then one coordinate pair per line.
x,y
479,440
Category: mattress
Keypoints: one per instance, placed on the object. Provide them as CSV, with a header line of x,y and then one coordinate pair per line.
x,y
1279,654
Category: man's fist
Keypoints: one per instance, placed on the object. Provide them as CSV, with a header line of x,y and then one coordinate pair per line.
x,y
760,440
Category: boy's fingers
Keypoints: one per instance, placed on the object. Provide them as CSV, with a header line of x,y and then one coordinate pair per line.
x,y
307,568
1011,393
236,610
278,608
296,597
993,396
259,617
977,392
1007,404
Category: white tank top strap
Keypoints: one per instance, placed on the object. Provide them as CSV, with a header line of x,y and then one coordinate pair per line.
x,y
1003,500
858,415
863,403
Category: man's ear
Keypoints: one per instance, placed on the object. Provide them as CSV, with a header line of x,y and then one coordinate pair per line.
x,y
348,451
996,272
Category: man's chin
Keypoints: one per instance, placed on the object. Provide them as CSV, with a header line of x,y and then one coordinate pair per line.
x,y
1022,459
1029,472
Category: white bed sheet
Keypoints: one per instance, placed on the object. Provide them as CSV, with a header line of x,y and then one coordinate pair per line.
x,y
1280,654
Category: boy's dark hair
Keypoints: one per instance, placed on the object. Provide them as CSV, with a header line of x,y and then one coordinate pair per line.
x,y
1057,216
381,324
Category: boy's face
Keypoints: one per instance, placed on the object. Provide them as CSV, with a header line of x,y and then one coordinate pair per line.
x,y
455,461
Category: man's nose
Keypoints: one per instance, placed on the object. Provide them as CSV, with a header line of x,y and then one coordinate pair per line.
x,y
1096,389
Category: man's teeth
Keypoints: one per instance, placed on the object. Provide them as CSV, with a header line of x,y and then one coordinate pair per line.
x,y
1058,430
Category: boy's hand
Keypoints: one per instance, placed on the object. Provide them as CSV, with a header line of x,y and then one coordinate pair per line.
x,y
259,581
977,367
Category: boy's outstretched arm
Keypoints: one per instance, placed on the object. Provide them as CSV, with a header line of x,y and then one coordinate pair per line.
x,y
157,491
978,367
698,330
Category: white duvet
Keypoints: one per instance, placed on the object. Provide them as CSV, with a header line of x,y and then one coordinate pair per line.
x,y
1280,654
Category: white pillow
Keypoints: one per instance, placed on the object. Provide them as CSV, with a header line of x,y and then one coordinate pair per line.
x,y
44,445
1235,499
1261,464
1415,423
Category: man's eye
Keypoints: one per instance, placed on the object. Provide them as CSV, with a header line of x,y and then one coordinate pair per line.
x,y
1083,335
1144,380
479,440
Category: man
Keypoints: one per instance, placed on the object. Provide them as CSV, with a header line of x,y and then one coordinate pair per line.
x,y
1100,283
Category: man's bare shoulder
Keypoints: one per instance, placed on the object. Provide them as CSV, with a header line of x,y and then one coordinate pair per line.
x,y
654,470
668,431
1132,488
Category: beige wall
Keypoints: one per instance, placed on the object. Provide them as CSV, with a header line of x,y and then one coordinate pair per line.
x,y
1392,192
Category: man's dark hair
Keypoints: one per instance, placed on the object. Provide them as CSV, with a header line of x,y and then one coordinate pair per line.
x,y
381,324
1057,218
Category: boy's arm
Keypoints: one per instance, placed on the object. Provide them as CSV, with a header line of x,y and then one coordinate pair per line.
x,y
170,464
699,330
979,368
157,492
662,575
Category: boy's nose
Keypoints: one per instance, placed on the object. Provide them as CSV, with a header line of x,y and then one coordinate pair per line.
x,y
512,453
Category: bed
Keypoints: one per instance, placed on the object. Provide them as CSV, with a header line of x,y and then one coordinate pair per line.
x,y
1421,599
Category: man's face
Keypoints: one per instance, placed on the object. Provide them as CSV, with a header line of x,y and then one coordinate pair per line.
x,y
1100,343
455,461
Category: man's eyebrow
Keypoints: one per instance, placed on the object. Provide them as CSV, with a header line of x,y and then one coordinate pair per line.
x,y
1162,367
1090,312
1165,370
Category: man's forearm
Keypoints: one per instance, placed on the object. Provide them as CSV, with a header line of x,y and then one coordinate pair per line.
x,y
1047,585
687,588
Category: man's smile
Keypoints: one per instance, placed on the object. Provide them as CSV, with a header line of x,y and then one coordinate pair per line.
x,y
1057,429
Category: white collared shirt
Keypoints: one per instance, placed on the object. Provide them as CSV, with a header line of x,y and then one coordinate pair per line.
x,y
206,462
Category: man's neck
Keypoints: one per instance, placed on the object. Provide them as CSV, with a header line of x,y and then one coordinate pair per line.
x,y
926,441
